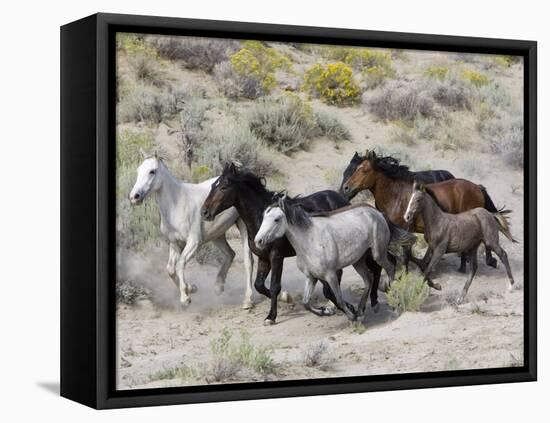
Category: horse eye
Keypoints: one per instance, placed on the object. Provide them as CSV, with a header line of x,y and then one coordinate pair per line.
x,y
277,220
152,172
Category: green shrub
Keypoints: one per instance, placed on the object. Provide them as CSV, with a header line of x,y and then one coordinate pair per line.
x,y
507,61
234,85
332,83
400,101
285,124
149,104
451,92
495,95
147,69
182,372
232,141
505,137
195,52
437,72
408,292
331,127
475,78
230,357
134,44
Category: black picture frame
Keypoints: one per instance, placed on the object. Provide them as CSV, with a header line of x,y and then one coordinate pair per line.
x,y
87,210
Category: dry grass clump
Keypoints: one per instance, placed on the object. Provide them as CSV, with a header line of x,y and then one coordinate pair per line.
x,y
401,101
505,136
194,52
146,69
128,292
316,355
452,92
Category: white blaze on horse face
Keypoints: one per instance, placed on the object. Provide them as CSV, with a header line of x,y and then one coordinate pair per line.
x,y
412,207
145,181
273,227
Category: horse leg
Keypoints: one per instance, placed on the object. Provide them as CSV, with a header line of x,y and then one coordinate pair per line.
x,y
330,307
363,271
472,256
503,256
264,267
489,259
380,255
173,255
248,265
308,290
228,256
462,268
376,271
274,288
332,280
186,255
437,254
407,255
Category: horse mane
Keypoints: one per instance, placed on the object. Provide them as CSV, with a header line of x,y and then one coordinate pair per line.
x,y
329,213
244,176
295,214
392,168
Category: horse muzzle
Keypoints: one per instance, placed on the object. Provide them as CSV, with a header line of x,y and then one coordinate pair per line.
x,y
207,215
136,199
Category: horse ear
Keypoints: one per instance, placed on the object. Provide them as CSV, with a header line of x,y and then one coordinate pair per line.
x,y
156,154
281,201
356,155
232,168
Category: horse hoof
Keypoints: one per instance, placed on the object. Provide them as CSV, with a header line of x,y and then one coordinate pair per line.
x,y
376,307
269,322
462,270
328,311
219,289
185,303
436,286
492,262
285,297
248,305
510,288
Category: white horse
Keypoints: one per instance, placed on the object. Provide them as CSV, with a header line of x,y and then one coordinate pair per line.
x,y
328,241
181,223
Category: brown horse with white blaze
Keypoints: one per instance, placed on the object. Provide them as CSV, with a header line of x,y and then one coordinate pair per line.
x,y
391,185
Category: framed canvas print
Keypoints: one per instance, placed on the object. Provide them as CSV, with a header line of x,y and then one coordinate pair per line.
x,y
256,211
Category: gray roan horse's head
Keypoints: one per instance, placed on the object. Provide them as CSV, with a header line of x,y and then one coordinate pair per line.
x,y
415,202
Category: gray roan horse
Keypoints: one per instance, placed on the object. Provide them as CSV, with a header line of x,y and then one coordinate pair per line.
x,y
458,233
181,223
328,241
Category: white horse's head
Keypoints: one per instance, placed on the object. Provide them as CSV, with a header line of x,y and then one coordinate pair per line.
x,y
273,226
148,179
415,201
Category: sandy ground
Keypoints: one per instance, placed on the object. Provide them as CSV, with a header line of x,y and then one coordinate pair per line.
x,y
485,332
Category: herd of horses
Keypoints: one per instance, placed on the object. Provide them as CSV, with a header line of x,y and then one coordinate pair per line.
x,y
324,230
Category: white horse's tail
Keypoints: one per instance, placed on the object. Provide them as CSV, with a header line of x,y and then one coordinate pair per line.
x,y
503,223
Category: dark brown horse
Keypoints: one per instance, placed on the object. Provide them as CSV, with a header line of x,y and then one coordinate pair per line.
x,y
391,185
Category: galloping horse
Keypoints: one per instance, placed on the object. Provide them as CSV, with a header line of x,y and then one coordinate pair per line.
x,y
458,233
247,193
423,176
327,242
180,222
391,183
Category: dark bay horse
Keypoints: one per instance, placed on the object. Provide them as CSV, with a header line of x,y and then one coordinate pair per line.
x,y
458,233
423,176
391,185
247,193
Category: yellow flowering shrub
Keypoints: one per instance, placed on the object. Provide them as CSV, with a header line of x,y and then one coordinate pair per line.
x,y
476,78
332,83
258,62
437,72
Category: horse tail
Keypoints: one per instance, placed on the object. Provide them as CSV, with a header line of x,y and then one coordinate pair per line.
x,y
399,238
503,223
489,205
